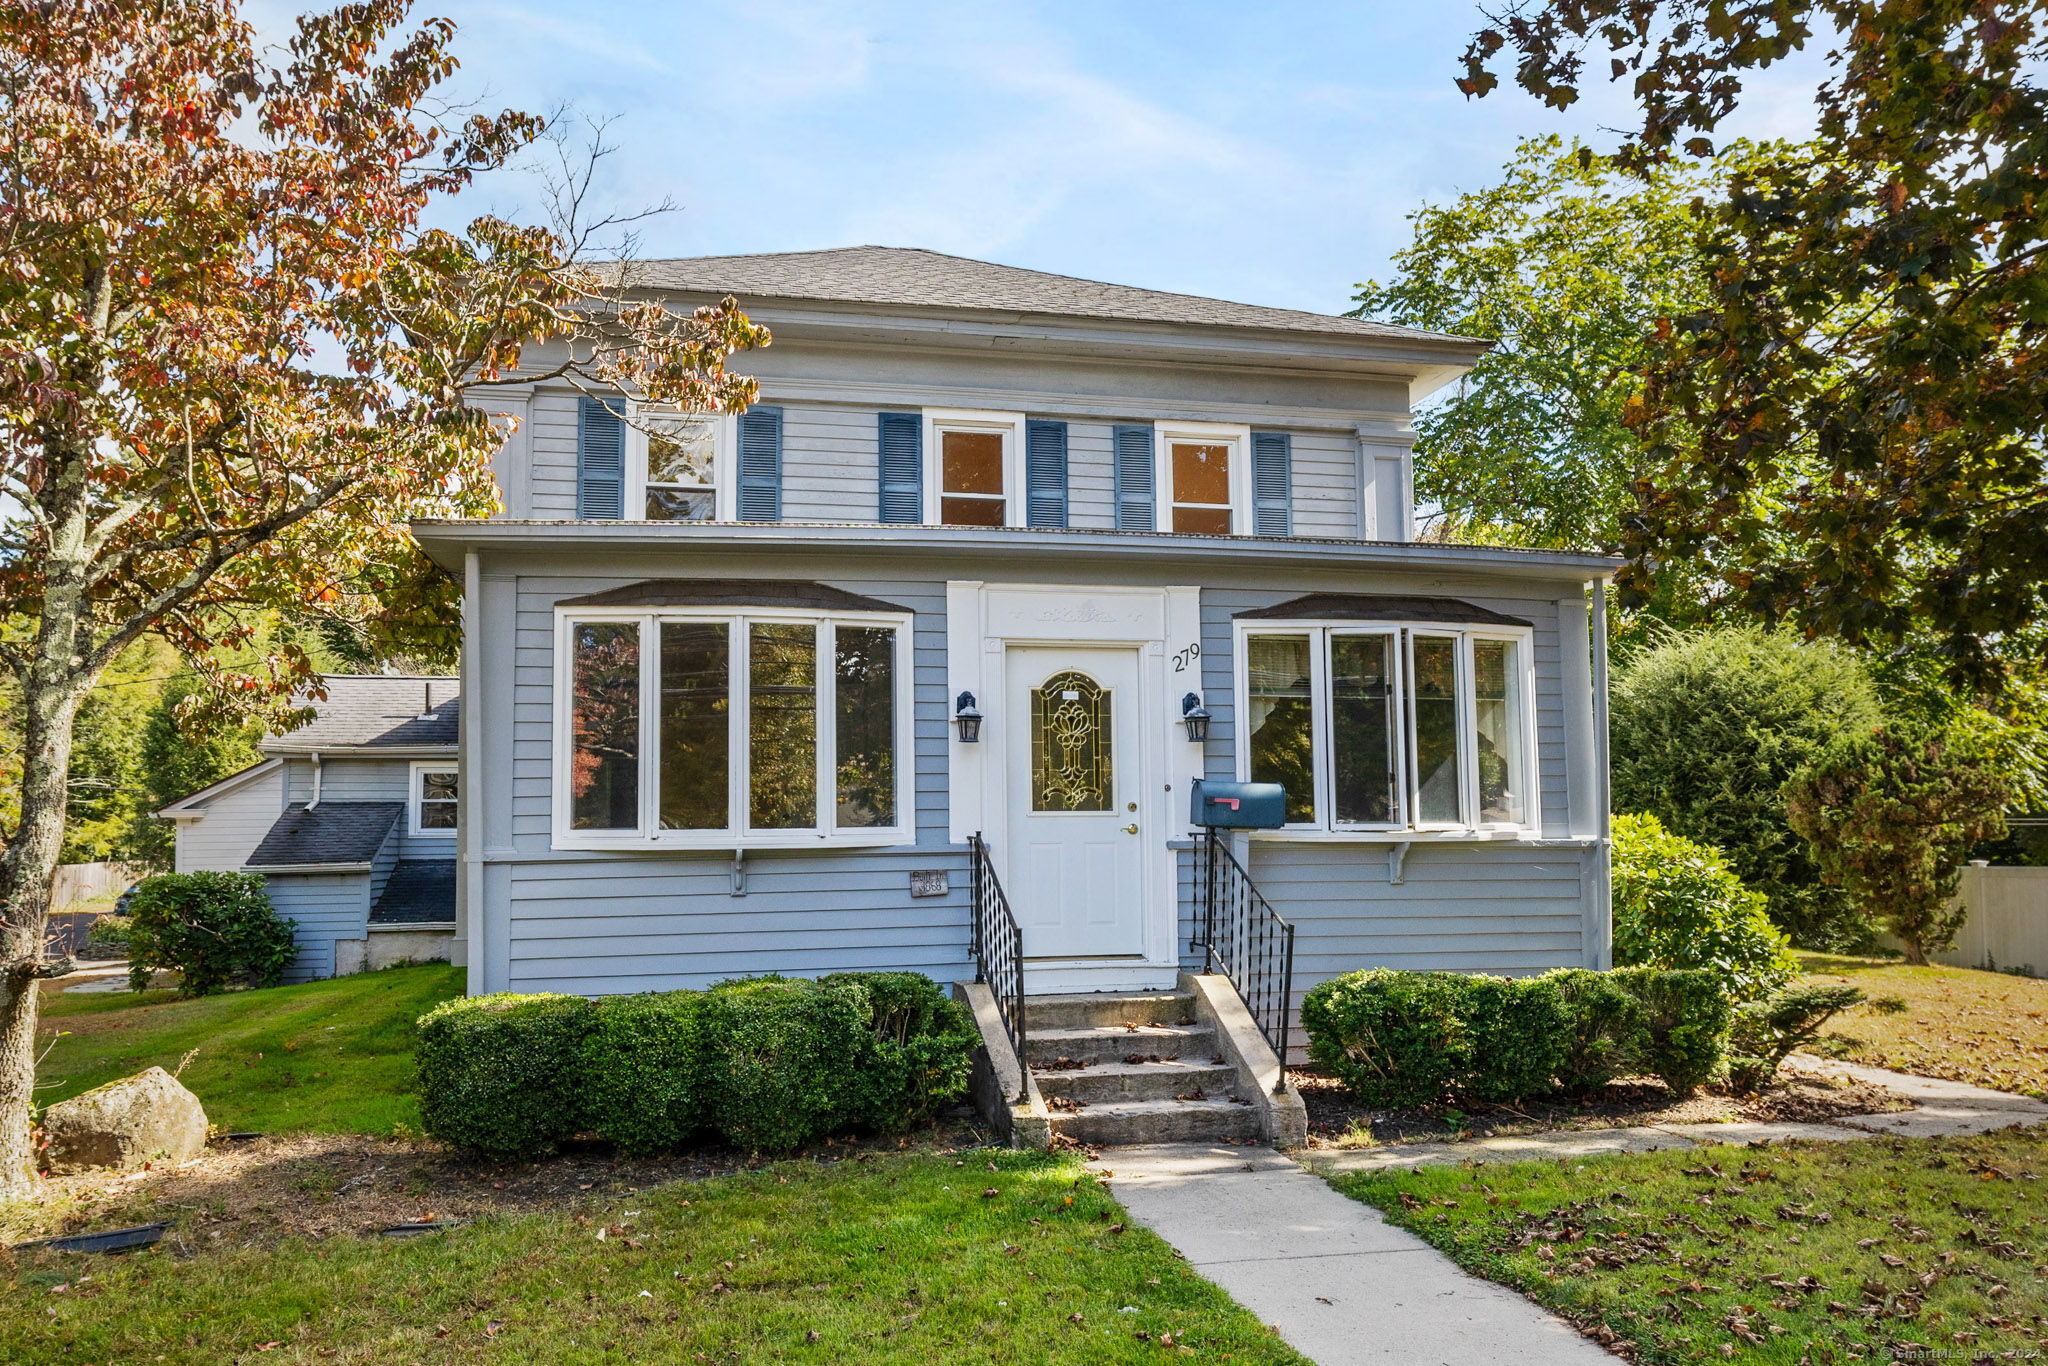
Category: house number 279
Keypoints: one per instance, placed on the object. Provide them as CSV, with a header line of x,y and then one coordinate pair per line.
x,y
1183,658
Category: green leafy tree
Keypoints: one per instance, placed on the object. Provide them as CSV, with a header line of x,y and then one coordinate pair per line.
x,y
1707,726
1891,812
1566,266
1847,434
1677,904
236,359
180,756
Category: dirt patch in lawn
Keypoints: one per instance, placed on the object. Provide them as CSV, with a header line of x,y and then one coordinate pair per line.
x,y
257,1192
1803,1094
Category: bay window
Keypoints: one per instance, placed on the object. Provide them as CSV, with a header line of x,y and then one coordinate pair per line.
x,y
770,727
1388,727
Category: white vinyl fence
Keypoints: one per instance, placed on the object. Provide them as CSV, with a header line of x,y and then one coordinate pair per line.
x,y
84,881
2008,924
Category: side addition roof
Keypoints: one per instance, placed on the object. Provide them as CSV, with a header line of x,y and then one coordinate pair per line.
x,y
915,277
418,892
343,833
378,711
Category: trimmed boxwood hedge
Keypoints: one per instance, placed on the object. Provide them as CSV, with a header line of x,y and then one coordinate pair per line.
x,y
642,1069
919,1053
764,1063
1408,1039
500,1075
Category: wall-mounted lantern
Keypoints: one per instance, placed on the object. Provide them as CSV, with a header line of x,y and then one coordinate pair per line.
x,y
967,718
1195,717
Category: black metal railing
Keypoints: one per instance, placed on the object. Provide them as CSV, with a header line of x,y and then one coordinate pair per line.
x,y
998,950
1248,942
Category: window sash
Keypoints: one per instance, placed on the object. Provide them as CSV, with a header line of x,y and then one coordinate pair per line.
x,y
1400,638
738,828
1235,439
639,483
421,802
1009,427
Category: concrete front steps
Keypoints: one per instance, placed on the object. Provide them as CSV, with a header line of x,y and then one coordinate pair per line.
x,y
1141,1067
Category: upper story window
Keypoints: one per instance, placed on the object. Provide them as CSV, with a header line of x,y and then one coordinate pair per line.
x,y
1383,727
432,800
972,468
680,460
722,728
1204,478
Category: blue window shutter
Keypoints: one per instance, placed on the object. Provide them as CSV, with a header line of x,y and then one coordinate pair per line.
x,y
1133,478
601,458
900,438
1045,473
760,486
1272,484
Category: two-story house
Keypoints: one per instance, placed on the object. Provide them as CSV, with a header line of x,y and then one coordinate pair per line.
x,y
1016,556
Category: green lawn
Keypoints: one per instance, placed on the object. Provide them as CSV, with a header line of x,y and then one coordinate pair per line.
x,y
326,1057
1821,1253
986,1256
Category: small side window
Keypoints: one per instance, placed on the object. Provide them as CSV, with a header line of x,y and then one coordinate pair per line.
x,y
433,800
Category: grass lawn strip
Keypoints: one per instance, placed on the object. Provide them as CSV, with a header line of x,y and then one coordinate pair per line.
x,y
1960,1024
326,1057
1816,1254
986,1256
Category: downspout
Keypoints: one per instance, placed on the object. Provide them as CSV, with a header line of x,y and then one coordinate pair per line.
x,y
1603,849
315,756
469,830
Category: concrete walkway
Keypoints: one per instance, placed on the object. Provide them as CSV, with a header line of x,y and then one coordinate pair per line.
x,y
1940,1109
1337,1281
1344,1286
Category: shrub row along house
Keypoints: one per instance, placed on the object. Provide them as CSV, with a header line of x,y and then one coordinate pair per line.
x,y
949,624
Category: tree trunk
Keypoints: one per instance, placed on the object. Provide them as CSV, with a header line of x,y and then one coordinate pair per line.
x,y
55,677
26,872
1916,953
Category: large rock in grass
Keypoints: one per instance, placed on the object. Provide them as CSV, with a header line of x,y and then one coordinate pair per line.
x,y
148,1117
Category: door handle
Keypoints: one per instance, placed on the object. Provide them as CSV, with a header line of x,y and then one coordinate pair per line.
x,y
1130,830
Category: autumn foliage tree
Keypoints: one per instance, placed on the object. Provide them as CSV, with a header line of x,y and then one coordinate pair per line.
x,y
1847,431
234,357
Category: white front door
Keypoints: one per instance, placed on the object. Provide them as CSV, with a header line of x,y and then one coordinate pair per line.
x,y
1076,850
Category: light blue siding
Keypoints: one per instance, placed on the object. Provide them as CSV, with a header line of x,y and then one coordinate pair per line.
x,y
830,461
600,922
327,907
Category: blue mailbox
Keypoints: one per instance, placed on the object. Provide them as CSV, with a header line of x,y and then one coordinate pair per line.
x,y
1239,806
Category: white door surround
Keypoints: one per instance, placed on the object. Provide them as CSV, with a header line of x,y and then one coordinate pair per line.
x,y
1002,641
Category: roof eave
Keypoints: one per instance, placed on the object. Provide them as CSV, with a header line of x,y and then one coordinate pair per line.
x,y
354,751
1428,360
447,541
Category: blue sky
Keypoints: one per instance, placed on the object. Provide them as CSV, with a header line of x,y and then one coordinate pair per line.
x,y
1265,152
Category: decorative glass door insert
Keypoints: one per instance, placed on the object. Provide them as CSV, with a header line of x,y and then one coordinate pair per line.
x,y
1071,744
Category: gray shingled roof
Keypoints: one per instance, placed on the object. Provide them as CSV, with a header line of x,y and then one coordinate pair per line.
x,y
928,279
418,892
379,710
332,832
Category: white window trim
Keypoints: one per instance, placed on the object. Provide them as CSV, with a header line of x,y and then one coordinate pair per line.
x,y
725,441
1237,436
650,836
1009,425
414,794
1326,827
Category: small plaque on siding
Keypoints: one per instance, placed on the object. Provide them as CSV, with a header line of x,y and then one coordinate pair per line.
x,y
928,882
